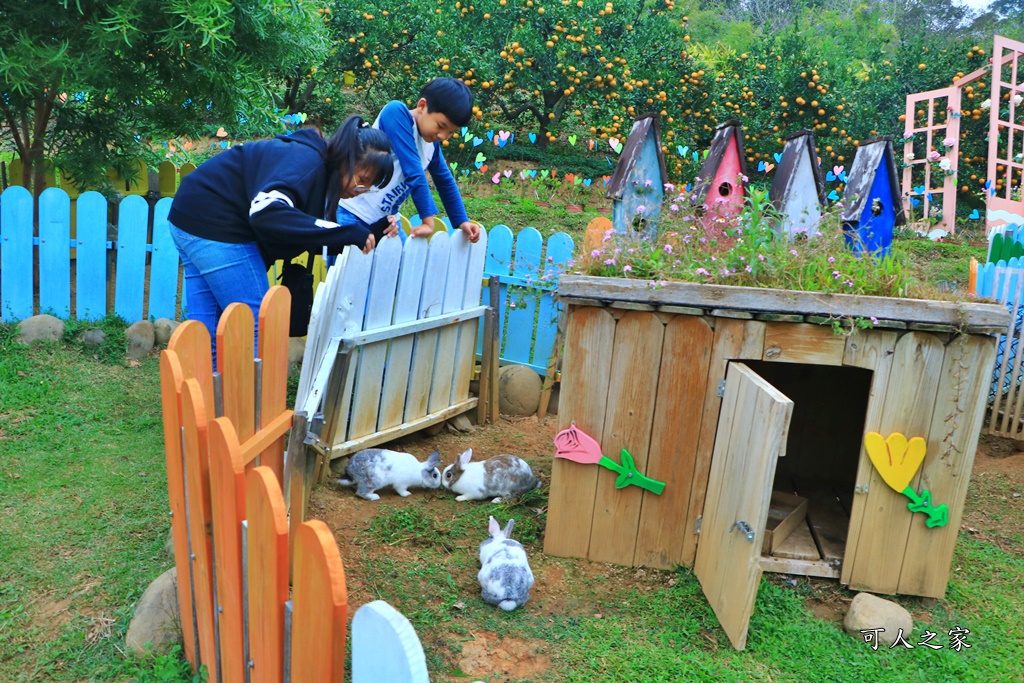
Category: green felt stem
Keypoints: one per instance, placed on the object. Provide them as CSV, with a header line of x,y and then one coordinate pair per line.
x,y
628,474
937,515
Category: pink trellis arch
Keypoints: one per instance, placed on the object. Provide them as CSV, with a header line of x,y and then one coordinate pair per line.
x,y
1004,203
929,165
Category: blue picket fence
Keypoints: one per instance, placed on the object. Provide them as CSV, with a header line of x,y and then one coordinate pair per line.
x,y
142,256
1004,282
1005,242
141,267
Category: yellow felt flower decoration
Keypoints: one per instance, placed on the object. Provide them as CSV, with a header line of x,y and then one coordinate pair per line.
x,y
895,458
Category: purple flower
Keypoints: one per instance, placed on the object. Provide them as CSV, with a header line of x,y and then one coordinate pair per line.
x,y
669,187
874,320
835,274
793,252
641,208
626,269
647,183
595,253
749,269
702,271
674,208
609,262
760,257
724,272
667,248
831,259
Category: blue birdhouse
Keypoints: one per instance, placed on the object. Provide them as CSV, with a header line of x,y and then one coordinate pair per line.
x,y
873,206
637,186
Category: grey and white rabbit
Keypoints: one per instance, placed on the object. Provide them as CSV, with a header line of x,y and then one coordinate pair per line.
x,y
375,468
496,478
505,576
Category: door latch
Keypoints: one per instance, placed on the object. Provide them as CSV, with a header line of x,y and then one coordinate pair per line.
x,y
745,529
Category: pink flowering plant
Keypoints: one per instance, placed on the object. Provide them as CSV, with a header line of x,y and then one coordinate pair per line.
x,y
745,252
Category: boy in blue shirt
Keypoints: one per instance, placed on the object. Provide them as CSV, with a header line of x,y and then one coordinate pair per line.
x,y
416,134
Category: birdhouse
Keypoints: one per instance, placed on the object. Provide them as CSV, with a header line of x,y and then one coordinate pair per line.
x,y
720,187
637,186
798,192
873,206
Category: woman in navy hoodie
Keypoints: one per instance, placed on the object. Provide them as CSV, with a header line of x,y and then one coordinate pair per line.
x,y
262,201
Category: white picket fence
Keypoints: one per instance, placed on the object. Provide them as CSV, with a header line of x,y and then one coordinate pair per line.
x,y
397,330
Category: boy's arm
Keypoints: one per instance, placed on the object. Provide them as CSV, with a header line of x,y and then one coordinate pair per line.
x,y
450,196
397,123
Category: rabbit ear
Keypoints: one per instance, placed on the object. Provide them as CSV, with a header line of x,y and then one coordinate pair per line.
x,y
508,528
465,457
434,460
493,528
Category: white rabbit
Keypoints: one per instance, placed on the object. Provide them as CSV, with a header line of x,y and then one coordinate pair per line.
x,y
375,468
496,478
505,576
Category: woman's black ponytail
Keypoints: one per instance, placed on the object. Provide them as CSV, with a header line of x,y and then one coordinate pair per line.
x,y
354,145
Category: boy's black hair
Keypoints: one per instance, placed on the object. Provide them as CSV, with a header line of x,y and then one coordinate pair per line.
x,y
450,97
357,145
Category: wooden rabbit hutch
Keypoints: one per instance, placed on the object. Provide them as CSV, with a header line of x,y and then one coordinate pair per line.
x,y
707,387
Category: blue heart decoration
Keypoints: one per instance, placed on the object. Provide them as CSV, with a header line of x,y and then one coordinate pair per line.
x,y
609,162
914,202
478,163
465,172
223,144
929,196
695,156
974,215
830,176
502,143
833,196
919,189
164,143
213,145
843,177
511,138
477,142
490,135
778,157
587,181
761,166
464,131
533,138
689,187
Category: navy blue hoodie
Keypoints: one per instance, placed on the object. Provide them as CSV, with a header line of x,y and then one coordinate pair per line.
x,y
273,193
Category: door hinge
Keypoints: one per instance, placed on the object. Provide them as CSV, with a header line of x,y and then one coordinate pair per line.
x,y
696,525
721,387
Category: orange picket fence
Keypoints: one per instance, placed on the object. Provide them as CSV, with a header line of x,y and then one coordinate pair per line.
x,y
224,437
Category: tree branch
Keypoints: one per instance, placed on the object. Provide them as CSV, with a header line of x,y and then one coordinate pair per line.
x,y
13,124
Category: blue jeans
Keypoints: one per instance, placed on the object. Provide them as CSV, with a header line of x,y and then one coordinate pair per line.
x,y
218,274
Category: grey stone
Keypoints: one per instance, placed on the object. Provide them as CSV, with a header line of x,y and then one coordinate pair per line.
x,y
869,611
461,423
169,544
141,338
163,328
40,328
94,337
518,390
156,621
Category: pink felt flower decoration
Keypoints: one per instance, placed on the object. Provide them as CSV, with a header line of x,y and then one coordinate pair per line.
x,y
578,446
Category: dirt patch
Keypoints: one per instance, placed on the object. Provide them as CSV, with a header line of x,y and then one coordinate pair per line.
x,y
994,510
485,655
50,613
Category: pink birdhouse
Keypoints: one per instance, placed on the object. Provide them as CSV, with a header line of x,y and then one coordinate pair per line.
x,y
720,189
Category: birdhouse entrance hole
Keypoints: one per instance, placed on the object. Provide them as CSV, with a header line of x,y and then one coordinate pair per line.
x,y
725,189
814,486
